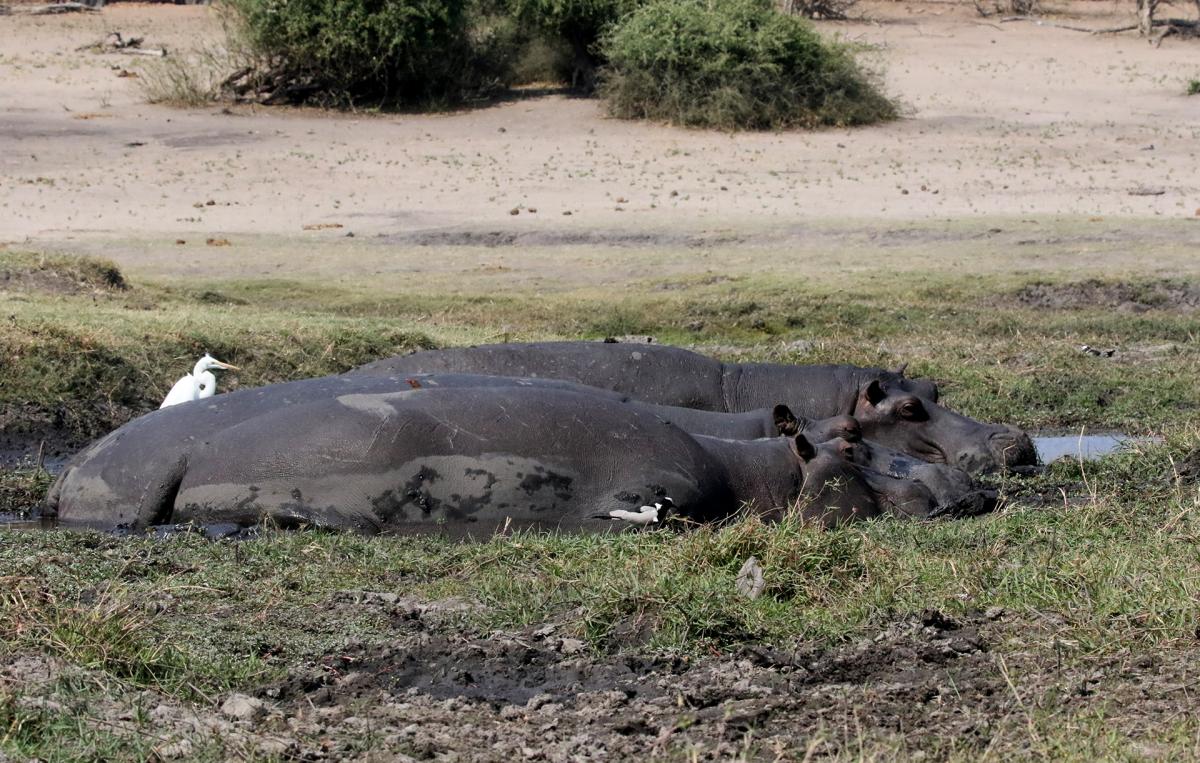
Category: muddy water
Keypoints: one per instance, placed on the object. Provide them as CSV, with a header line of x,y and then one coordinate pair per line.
x,y
1087,447
13,521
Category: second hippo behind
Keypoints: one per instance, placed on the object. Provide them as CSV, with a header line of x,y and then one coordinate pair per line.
x,y
894,410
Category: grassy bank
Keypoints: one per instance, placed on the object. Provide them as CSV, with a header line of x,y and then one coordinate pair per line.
x,y
1108,576
85,360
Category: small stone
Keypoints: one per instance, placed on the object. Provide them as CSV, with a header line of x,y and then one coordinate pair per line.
x,y
514,211
994,613
240,707
276,746
571,646
181,748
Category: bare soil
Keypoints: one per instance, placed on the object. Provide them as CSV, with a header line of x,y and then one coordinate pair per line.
x,y
925,684
1004,121
1127,297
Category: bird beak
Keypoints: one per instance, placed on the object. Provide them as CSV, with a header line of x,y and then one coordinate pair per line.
x,y
225,366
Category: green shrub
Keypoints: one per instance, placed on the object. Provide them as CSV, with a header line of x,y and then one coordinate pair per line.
x,y
353,51
733,64
1194,87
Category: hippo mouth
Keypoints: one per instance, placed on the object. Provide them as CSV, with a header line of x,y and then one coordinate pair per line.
x,y
929,452
973,504
901,507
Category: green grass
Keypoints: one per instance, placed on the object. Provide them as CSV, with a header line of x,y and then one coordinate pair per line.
x,y
92,360
190,619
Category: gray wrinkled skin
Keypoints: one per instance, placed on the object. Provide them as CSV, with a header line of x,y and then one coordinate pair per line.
x,y
747,425
675,377
463,462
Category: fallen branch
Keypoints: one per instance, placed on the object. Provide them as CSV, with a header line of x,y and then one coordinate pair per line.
x,y
1171,23
114,42
47,10
156,52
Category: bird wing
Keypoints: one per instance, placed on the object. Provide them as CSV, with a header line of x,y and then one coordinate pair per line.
x,y
183,391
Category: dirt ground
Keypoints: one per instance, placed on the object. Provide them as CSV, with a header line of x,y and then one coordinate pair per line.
x,y
1005,121
926,686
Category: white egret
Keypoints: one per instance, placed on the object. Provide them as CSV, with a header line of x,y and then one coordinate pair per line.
x,y
199,384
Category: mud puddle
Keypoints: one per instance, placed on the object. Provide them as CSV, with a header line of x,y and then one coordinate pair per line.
x,y
18,521
1087,447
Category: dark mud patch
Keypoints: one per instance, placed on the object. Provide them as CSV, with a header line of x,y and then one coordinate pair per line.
x,y
547,238
437,694
1126,296
59,274
29,434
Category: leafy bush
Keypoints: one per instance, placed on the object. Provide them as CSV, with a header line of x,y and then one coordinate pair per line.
x,y
368,50
1194,87
733,64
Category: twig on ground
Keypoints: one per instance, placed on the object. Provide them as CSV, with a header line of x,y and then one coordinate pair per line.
x,y
45,10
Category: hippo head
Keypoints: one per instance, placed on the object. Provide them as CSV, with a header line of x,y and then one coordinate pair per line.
x,y
818,430
926,388
836,489
907,422
955,492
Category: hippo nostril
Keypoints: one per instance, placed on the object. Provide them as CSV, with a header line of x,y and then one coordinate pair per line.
x,y
1012,447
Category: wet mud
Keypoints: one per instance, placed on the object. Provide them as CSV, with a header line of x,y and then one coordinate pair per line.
x,y
1133,297
922,684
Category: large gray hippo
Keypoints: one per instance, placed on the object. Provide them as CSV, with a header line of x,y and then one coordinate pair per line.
x,y
462,461
893,410
953,489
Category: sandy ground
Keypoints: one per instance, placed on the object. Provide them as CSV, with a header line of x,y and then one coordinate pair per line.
x,y
1005,121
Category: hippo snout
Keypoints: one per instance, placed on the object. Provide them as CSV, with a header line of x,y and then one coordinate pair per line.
x,y
1012,447
1005,448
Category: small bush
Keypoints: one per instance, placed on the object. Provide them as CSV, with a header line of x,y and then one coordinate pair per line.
x,y
734,64
185,80
1193,87
354,51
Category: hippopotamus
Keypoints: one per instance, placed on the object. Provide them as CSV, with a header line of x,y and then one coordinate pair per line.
x,y
746,425
894,410
463,462
954,491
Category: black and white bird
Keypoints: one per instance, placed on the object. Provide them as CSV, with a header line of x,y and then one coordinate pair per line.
x,y
1089,350
646,515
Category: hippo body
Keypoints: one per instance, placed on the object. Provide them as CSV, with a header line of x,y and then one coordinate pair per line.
x,y
896,411
464,462
661,374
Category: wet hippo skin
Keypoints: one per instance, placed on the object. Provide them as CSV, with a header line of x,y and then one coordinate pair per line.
x,y
899,412
464,462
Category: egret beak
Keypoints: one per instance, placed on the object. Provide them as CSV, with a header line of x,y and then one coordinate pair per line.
x,y
226,366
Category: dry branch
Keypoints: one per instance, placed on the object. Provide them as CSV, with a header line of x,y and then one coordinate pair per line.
x,y
1173,23
46,10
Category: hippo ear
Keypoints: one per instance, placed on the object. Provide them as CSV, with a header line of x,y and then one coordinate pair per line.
x,y
786,422
875,393
900,369
803,449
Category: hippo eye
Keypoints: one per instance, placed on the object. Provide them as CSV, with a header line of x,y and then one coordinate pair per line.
x,y
912,410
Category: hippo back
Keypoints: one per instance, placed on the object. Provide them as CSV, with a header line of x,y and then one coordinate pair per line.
x,y
458,461
650,373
